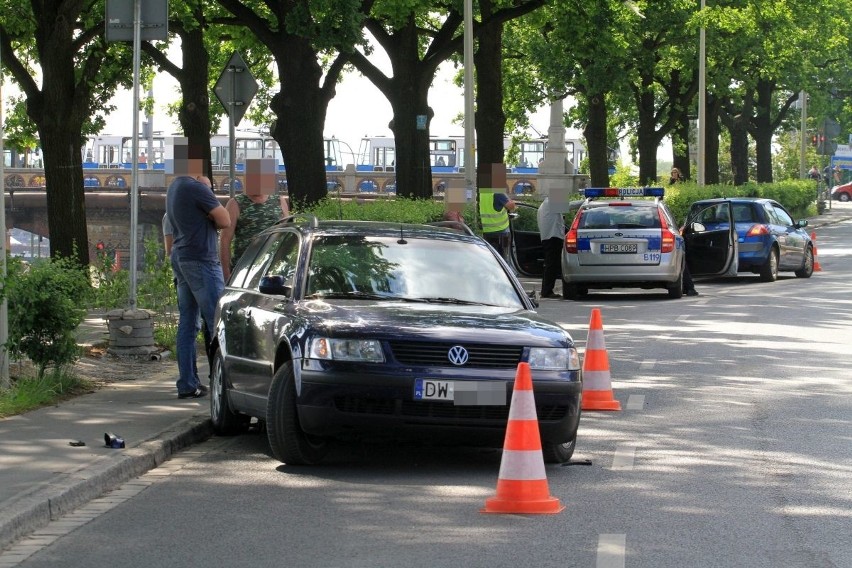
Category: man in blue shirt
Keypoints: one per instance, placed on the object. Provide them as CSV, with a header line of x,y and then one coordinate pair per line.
x,y
195,215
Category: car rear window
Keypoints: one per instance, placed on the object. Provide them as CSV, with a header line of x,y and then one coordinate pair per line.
x,y
620,217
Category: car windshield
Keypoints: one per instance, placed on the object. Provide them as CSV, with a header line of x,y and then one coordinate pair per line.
x,y
408,269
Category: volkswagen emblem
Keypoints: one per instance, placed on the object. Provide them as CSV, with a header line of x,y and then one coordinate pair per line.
x,y
457,355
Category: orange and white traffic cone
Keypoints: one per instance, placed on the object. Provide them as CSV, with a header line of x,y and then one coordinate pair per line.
x,y
817,267
597,383
522,484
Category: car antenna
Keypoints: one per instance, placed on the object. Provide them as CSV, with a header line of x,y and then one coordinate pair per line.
x,y
401,240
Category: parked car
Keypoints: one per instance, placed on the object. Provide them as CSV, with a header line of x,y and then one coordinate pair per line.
x,y
768,240
342,329
842,192
620,239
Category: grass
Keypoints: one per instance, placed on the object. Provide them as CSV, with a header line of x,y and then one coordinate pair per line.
x,y
28,392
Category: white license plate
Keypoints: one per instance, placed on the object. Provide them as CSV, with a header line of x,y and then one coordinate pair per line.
x,y
623,248
462,393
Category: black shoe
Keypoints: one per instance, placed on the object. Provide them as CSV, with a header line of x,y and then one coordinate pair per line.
x,y
549,295
197,393
692,292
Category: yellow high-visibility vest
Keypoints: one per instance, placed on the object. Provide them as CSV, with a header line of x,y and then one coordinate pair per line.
x,y
493,221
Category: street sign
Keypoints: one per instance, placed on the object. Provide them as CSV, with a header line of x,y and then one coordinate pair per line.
x,y
153,20
236,87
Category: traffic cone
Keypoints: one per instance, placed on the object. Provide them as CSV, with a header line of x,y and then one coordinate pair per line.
x,y
597,385
522,483
817,267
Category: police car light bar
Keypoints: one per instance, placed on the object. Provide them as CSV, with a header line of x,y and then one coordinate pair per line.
x,y
624,192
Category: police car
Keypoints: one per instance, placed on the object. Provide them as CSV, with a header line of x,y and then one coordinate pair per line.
x,y
627,237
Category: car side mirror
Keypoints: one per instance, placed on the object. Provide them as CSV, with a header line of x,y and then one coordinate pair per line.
x,y
801,223
274,285
698,227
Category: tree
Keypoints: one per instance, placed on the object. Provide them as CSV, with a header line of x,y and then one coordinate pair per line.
x,y
417,37
302,38
561,58
78,70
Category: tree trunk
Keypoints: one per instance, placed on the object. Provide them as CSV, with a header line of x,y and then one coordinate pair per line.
x,y
648,139
762,131
680,146
66,201
194,114
711,141
739,149
490,118
300,108
595,134
413,169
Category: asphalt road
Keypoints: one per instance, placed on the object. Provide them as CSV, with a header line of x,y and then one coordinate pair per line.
x,y
733,449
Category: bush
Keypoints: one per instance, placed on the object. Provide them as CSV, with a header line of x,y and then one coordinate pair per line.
x,y
46,304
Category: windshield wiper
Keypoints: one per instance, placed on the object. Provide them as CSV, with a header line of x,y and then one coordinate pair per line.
x,y
437,300
353,294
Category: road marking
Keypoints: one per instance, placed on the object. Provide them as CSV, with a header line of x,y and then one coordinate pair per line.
x,y
611,550
623,458
647,364
636,402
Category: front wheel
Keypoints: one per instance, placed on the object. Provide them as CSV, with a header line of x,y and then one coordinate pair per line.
x,y
558,453
807,268
769,270
289,443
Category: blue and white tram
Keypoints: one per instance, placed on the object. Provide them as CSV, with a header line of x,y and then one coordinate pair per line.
x,y
447,154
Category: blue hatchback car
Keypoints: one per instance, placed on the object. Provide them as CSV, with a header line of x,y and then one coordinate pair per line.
x,y
768,239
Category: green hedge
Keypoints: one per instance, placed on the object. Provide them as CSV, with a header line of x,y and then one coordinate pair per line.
x,y
798,196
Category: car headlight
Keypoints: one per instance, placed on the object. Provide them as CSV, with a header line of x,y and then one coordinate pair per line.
x,y
329,349
554,358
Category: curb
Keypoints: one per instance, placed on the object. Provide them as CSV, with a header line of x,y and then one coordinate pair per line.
x,y
68,492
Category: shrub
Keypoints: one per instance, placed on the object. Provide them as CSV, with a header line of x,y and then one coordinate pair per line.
x,y
46,304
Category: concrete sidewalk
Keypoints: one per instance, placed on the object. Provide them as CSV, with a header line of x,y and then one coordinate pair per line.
x,y
43,477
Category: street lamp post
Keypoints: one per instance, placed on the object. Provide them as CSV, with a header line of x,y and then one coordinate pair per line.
x,y
469,130
702,101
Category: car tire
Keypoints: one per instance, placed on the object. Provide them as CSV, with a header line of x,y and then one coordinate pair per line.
x,y
289,443
573,291
558,453
807,268
843,196
676,289
769,270
225,421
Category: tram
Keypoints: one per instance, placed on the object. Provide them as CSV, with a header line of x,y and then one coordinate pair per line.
x,y
115,151
447,154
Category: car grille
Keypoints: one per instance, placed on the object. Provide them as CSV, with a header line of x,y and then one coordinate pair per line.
x,y
435,354
417,409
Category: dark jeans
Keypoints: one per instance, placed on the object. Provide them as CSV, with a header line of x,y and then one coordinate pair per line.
x,y
688,284
552,248
500,242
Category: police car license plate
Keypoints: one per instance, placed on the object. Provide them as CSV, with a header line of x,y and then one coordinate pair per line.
x,y
462,393
622,248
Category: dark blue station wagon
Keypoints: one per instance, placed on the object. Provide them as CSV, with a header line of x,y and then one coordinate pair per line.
x,y
339,329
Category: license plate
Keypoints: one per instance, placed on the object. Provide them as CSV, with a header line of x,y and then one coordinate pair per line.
x,y
462,393
622,248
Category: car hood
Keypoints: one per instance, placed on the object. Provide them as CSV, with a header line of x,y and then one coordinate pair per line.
x,y
429,322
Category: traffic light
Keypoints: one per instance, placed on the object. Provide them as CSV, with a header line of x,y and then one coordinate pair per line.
x,y
827,142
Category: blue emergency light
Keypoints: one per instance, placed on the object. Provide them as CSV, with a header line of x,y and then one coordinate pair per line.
x,y
624,192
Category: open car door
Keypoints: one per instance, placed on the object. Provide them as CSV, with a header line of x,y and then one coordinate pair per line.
x,y
526,250
711,241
